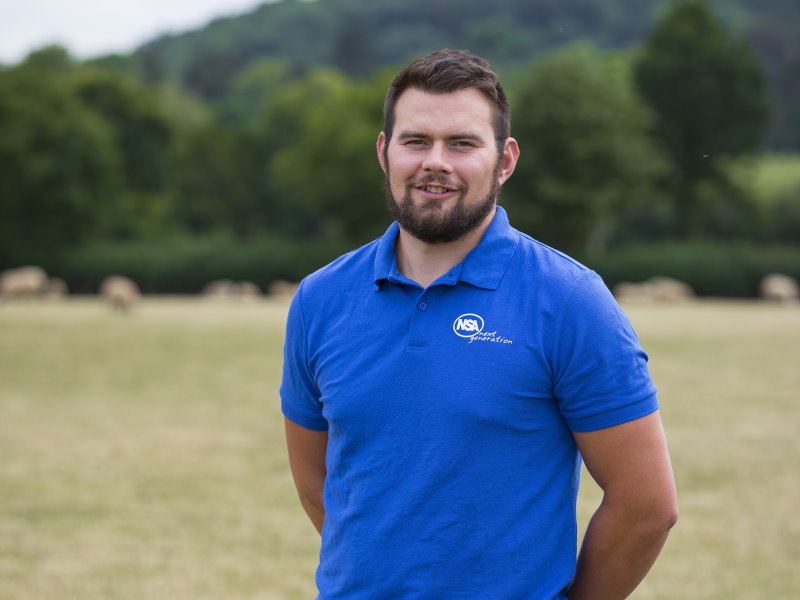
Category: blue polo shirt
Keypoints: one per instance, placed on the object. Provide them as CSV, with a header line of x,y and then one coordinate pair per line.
x,y
452,468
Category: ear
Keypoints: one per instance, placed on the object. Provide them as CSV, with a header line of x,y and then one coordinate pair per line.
x,y
380,146
510,157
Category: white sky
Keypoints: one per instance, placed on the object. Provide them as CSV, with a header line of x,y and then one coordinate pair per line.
x,y
90,28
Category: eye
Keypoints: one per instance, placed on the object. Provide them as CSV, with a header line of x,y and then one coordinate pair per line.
x,y
415,143
463,145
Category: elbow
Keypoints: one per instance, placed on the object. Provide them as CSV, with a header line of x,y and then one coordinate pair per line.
x,y
664,522
670,518
661,517
668,508
648,518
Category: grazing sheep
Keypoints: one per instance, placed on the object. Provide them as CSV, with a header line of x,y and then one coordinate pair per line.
x,y
122,293
220,289
57,289
22,283
667,289
249,291
626,291
282,288
779,288
225,289
655,289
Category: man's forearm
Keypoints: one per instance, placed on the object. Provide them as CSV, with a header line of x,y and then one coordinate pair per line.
x,y
314,509
618,551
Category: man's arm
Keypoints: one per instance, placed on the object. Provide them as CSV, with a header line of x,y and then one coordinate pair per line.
x,y
307,461
631,464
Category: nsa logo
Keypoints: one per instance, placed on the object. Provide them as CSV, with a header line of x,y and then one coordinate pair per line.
x,y
468,325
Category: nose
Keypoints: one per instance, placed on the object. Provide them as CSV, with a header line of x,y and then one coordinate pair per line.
x,y
436,159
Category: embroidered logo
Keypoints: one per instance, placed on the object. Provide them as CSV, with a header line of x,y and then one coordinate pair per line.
x,y
471,326
468,325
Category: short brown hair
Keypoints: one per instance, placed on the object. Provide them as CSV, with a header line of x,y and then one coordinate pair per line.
x,y
447,71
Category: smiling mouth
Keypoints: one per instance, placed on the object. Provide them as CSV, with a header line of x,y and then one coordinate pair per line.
x,y
434,189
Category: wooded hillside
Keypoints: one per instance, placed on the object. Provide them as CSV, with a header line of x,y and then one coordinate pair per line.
x,y
361,36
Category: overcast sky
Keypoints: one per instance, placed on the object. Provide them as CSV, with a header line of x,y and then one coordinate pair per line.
x,y
89,28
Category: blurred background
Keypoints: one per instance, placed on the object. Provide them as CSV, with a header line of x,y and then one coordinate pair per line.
x,y
227,147
658,138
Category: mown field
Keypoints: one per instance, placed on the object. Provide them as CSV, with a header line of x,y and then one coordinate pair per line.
x,y
142,456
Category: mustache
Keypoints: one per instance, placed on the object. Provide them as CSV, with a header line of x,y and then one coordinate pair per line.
x,y
437,180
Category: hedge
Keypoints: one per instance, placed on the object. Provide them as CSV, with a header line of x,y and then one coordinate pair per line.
x,y
186,264
712,269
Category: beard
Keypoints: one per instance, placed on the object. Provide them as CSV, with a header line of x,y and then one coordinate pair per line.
x,y
431,224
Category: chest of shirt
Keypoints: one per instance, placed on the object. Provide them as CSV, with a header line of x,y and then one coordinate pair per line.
x,y
455,353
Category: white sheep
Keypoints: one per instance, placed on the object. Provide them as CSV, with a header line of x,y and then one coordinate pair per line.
x,y
780,288
121,292
23,282
655,289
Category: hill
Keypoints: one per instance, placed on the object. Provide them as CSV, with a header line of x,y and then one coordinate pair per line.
x,y
361,36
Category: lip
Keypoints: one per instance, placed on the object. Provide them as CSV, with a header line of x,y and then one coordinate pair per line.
x,y
426,192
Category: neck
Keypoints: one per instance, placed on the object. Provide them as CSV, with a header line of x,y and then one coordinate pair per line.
x,y
424,263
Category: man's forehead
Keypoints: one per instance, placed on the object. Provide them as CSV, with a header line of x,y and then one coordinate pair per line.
x,y
469,107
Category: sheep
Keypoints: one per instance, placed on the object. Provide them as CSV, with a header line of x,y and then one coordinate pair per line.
x,y
23,282
226,289
249,291
655,289
282,289
122,293
57,289
779,288
220,289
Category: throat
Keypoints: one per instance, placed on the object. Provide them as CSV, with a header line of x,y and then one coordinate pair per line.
x,y
424,263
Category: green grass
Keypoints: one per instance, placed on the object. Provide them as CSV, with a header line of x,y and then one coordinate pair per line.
x,y
142,456
771,177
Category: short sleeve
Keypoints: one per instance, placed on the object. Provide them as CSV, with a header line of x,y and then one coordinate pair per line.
x,y
300,397
600,370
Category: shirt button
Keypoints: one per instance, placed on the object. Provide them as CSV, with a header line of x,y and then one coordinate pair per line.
x,y
423,306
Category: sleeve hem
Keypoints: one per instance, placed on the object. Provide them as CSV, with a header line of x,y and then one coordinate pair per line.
x,y
313,423
617,416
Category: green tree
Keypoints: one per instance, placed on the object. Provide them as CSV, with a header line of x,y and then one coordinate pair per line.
x,y
709,96
52,59
586,159
59,166
215,182
252,87
143,136
322,166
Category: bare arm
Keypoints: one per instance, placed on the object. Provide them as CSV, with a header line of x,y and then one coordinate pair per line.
x,y
307,461
631,464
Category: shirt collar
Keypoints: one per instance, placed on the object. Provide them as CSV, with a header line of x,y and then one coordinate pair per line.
x,y
483,267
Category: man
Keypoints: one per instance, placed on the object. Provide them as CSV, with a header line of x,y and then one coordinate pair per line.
x,y
441,383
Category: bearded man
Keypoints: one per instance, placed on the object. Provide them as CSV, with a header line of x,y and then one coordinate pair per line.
x,y
443,383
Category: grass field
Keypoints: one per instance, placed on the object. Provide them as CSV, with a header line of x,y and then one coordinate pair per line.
x,y
142,457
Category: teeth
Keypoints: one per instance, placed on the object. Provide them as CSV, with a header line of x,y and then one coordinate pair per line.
x,y
435,190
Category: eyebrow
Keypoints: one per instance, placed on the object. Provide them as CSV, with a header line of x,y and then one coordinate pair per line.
x,y
409,134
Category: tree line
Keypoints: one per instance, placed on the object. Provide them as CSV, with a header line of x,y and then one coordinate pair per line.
x,y
617,148
360,37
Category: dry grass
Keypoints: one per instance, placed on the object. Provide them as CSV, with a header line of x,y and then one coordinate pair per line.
x,y
729,381
142,455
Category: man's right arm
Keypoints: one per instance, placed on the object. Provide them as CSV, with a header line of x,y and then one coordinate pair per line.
x,y
307,461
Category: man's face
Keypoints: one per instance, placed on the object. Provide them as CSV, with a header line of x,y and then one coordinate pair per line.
x,y
442,166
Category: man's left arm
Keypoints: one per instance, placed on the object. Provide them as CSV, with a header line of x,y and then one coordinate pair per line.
x,y
631,464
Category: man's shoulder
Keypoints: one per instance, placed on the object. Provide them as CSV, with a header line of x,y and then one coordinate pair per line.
x,y
348,270
546,261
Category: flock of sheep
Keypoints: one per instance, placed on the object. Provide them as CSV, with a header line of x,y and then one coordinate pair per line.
x,y
120,292
774,287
